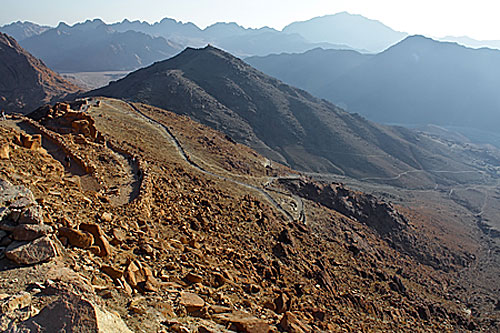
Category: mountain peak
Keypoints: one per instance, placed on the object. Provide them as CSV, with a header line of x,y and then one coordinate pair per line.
x,y
349,29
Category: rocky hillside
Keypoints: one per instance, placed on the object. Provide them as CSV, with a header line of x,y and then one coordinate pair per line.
x,y
167,225
26,83
289,125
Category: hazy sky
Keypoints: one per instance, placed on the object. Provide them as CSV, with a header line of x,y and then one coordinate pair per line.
x,y
436,18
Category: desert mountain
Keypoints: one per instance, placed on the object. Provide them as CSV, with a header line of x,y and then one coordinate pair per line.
x,y
93,46
159,223
22,30
343,28
26,83
309,70
288,124
417,81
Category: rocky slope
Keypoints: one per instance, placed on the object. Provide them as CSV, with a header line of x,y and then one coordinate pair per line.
x,y
26,82
289,125
200,246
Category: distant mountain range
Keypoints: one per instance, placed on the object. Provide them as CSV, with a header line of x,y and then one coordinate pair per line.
x,y
285,123
417,81
22,30
343,28
93,46
96,46
26,83
473,43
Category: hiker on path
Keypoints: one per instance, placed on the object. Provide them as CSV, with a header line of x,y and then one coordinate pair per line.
x,y
67,160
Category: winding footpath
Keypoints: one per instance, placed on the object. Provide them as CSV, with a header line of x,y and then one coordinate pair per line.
x,y
193,164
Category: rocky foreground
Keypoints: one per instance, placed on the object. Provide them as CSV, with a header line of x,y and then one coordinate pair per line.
x,y
119,218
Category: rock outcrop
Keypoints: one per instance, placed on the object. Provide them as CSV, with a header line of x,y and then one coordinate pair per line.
x,y
26,236
67,118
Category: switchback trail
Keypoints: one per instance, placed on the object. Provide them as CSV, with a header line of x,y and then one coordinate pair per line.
x,y
123,189
186,158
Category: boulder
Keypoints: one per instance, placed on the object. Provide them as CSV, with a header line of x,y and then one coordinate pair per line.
x,y
29,232
31,215
77,238
32,142
243,322
72,313
193,278
14,309
5,152
99,238
112,272
191,301
290,323
40,250
140,277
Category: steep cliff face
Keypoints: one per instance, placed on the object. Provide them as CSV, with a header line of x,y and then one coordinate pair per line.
x,y
26,83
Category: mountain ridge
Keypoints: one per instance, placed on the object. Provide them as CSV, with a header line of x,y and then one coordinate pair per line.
x,y
344,28
279,121
26,82
415,82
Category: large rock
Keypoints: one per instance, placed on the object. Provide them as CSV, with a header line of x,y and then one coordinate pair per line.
x,y
140,277
191,301
78,238
13,309
40,250
243,322
99,238
29,232
72,313
292,324
5,151
18,204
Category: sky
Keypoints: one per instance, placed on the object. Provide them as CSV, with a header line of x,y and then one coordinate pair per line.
x,y
434,18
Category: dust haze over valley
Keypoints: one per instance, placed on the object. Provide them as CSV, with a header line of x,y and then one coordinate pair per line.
x,y
323,173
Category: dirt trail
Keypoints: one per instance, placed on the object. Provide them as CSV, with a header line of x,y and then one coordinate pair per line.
x,y
193,164
126,186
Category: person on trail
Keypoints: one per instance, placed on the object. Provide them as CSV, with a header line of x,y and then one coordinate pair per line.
x,y
3,115
67,161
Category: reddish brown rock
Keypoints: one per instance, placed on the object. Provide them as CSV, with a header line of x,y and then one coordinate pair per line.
x,y
193,278
191,301
140,277
29,232
243,322
40,250
32,142
76,238
112,272
5,152
281,303
99,238
72,313
292,324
